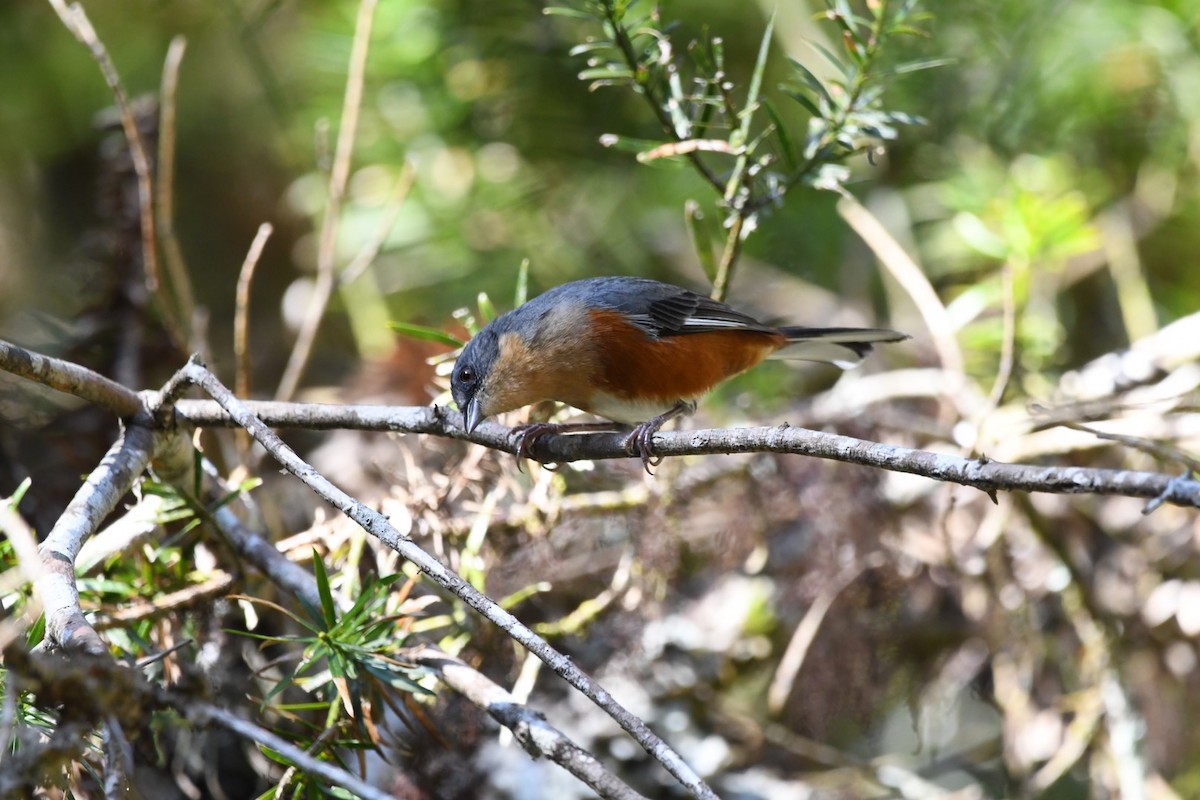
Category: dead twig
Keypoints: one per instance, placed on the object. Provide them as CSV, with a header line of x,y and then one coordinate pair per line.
x,y
338,176
536,735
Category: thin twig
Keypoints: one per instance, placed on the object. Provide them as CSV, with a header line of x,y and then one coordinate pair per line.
x,y
164,196
76,21
912,280
206,713
217,585
69,378
377,524
339,174
1008,346
241,324
366,256
536,735
729,257
625,45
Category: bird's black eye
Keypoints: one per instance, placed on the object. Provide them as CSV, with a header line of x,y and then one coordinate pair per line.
x,y
466,375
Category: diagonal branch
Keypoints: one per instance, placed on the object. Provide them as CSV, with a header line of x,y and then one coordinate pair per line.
x,y
105,486
377,524
536,735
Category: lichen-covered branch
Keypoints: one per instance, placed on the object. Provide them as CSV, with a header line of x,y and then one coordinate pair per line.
x,y
981,473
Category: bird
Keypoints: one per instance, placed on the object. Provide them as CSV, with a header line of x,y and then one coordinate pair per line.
x,y
632,350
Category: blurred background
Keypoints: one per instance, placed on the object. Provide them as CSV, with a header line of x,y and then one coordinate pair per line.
x,y
1054,180
1064,131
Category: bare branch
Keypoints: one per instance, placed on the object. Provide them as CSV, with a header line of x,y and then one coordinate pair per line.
x,y
75,19
205,713
69,378
538,737
981,473
377,525
164,197
911,278
326,250
122,465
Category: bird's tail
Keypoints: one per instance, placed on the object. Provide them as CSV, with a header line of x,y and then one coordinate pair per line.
x,y
845,347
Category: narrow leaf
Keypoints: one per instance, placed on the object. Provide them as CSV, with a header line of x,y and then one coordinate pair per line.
x,y
810,78
701,238
606,74
917,66
424,334
487,309
574,13
804,100
838,64
328,610
785,139
522,293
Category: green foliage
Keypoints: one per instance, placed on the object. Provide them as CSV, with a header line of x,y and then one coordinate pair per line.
x,y
742,147
693,98
352,662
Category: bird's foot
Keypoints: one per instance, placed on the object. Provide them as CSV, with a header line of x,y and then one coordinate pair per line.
x,y
529,435
641,441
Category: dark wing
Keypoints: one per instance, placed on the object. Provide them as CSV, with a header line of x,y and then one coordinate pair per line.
x,y
663,310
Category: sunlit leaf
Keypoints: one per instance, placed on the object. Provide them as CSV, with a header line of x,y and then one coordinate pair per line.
x,y
424,334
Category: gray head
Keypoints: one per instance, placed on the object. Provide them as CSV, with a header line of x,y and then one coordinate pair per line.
x,y
470,373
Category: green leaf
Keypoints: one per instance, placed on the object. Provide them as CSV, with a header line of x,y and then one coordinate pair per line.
x,y
701,238
522,293
760,68
803,100
917,66
15,500
524,593
275,756
781,131
841,66
424,334
37,631
590,46
574,13
328,609
742,135
607,73
812,81
487,309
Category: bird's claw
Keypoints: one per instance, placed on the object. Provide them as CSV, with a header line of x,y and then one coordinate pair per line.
x,y
640,443
527,438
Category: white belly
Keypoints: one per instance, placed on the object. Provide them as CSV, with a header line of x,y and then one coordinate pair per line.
x,y
625,411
